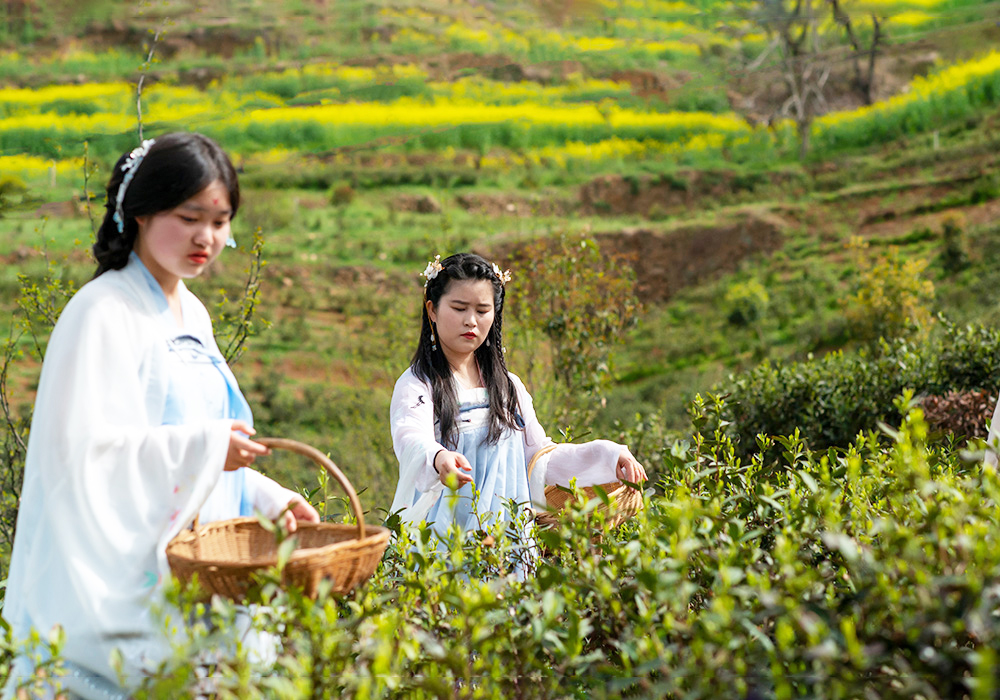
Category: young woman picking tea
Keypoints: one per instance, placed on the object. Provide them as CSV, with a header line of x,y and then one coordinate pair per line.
x,y
457,415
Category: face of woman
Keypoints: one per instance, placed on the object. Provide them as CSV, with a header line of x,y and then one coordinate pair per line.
x,y
179,243
464,316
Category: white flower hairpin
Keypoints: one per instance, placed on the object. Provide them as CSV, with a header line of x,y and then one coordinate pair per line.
x,y
504,276
129,167
432,270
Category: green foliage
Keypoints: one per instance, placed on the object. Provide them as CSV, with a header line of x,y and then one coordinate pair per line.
x,y
830,400
890,299
863,572
582,300
747,302
12,191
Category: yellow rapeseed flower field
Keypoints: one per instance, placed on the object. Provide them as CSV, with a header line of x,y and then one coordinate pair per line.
x,y
35,97
34,167
936,86
490,91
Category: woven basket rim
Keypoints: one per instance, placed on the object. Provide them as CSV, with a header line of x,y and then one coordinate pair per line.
x,y
374,533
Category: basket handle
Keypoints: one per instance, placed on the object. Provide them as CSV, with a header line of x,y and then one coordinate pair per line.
x,y
326,463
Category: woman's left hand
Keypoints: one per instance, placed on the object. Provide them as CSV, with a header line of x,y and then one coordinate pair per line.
x,y
629,468
299,509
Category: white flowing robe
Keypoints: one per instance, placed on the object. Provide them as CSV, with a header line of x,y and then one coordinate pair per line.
x,y
993,437
106,485
416,440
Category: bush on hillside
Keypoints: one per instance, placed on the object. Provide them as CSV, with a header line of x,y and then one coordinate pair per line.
x,y
889,298
829,400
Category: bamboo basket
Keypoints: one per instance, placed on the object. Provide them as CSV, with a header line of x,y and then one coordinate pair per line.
x,y
226,554
625,500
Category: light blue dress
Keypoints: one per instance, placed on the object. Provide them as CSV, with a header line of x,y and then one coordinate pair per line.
x,y
499,473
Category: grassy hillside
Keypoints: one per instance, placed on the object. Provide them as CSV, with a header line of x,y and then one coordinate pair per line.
x,y
374,135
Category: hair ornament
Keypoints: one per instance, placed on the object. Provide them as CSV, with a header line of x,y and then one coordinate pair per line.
x,y
129,167
504,276
432,270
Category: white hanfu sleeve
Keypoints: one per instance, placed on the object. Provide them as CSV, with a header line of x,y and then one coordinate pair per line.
x,y
993,438
267,495
411,421
594,462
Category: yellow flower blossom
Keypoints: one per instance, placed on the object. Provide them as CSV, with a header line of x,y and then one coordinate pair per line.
x,y
910,18
31,167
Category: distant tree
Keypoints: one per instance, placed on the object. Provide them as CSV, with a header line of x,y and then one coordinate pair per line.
x,y
796,41
863,58
806,56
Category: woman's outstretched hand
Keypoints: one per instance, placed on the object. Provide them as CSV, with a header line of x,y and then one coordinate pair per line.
x,y
299,509
447,463
242,450
629,468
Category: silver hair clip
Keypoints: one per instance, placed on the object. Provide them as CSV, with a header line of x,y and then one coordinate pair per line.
x,y
129,167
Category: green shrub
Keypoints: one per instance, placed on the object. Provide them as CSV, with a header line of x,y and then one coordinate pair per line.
x,y
582,301
867,572
889,296
829,400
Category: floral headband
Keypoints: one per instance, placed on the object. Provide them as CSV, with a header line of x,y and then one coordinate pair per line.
x,y
435,266
129,167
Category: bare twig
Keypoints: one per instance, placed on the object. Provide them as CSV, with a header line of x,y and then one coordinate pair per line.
x,y
86,184
142,79
243,324
9,354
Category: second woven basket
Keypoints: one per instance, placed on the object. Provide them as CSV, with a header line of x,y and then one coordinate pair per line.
x,y
227,553
625,500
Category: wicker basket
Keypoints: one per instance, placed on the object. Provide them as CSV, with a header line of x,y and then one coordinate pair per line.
x,y
625,500
225,554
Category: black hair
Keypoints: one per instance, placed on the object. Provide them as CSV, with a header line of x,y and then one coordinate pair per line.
x,y
177,167
431,365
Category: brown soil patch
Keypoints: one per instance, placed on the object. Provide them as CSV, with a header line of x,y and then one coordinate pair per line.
x,y
512,205
661,196
645,83
416,203
62,210
974,215
667,261
897,205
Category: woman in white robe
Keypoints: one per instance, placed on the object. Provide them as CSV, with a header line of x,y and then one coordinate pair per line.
x,y
458,414
128,439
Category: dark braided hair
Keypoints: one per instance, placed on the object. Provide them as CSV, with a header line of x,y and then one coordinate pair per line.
x,y
177,167
431,365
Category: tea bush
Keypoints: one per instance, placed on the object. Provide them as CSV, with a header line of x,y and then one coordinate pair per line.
x,y
869,571
829,400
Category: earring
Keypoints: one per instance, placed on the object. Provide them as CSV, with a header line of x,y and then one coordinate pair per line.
x,y
433,339
487,342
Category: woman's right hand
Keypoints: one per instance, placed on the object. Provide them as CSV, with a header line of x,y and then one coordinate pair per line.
x,y
242,450
447,463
